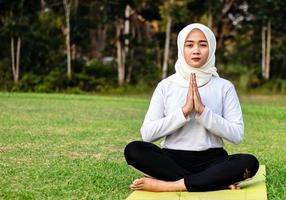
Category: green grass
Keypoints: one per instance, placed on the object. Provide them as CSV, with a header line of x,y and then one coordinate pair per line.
x,y
56,146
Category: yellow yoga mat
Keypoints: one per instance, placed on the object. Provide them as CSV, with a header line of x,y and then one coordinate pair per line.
x,y
252,189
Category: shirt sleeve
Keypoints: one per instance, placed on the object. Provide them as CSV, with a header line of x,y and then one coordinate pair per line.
x,y
156,124
230,125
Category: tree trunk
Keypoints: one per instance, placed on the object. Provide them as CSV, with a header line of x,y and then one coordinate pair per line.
x,y
97,38
159,57
18,58
43,5
167,43
93,42
73,52
210,18
127,28
266,50
128,79
126,41
263,50
222,28
120,66
67,6
15,62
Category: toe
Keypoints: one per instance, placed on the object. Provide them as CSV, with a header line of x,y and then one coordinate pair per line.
x,y
232,187
136,187
135,181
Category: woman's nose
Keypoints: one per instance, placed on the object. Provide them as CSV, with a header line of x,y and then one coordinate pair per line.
x,y
196,51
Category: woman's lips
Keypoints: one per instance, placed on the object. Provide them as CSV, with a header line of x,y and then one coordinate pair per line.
x,y
196,59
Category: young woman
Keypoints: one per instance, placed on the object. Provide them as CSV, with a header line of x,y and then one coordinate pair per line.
x,y
194,110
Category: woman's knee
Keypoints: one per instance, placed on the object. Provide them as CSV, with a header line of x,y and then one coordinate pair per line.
x,y
132,151
251,164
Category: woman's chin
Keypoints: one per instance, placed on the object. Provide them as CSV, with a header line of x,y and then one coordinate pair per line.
x,y
196,65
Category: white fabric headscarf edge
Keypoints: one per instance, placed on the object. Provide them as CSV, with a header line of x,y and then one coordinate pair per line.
x,y
183,70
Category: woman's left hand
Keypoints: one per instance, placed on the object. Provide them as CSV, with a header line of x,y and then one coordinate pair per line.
x,y
198,105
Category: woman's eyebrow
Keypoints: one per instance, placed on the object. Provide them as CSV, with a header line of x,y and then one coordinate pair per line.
x,y
199,41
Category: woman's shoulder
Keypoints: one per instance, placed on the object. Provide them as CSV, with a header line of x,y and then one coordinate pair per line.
x,y
161,86
222,82
165,87
164,84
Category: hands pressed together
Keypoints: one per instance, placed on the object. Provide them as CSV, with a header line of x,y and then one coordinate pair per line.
x,y
193,100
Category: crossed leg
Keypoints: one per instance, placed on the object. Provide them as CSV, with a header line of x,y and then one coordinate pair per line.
x,y
169,176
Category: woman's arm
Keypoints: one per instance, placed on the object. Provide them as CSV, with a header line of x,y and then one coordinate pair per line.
x,y
155,124
228,126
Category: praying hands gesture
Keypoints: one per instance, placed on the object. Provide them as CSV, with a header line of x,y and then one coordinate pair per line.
x,y
193,98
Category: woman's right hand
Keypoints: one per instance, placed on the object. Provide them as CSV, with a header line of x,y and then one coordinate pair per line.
x,y
189,105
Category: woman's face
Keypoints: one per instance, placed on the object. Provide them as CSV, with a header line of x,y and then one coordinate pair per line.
x,y
196,49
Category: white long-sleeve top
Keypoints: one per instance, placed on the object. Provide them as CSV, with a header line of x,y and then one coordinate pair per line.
x,y
221,118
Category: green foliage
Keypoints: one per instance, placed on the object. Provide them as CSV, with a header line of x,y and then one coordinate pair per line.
x,y
139,88
95,76
29,81
275,86
43,52
5,78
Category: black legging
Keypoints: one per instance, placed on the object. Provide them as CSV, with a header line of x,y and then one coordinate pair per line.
x,y
212,169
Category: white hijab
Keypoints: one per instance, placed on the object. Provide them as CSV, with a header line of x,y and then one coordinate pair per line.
x,y
183,70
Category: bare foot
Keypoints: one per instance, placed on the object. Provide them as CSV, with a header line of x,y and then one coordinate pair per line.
x,y
155,185
234,187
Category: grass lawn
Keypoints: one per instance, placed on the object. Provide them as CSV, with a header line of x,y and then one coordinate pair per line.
x,y
55,146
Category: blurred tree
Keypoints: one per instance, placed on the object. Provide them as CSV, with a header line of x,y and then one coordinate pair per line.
x,y
168,5
67,7
130,17
99,20
34,36
12,23
266,24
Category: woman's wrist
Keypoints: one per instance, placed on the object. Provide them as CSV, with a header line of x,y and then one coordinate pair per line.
x,y
186,112
201,110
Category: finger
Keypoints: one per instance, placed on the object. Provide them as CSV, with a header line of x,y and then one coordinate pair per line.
x,y
196,87
196,99
197,93
191,86
193,94
137,185
194,91
135,181
138,181
195,80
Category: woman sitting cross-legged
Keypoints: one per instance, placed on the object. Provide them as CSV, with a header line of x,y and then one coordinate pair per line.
x,y
194,110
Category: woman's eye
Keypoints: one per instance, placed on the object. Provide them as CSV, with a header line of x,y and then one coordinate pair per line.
x,y
203,45
189,45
